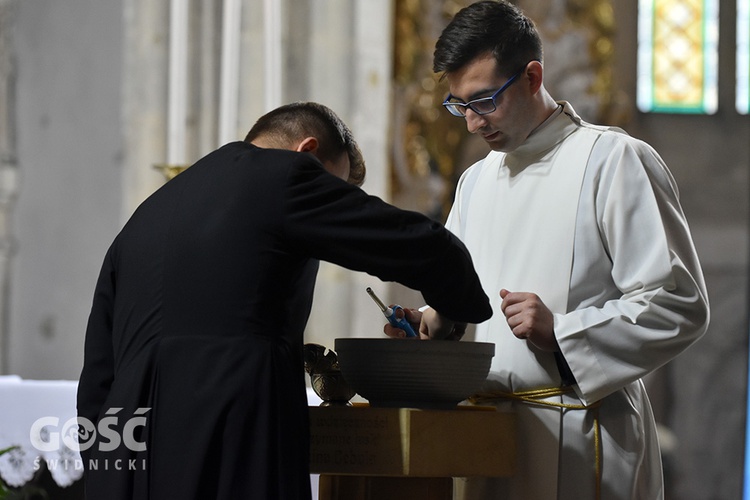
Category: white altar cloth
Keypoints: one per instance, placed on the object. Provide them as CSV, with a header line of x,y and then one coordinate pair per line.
x,y
22,404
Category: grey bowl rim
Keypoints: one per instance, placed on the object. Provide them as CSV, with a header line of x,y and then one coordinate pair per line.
x,y
480,348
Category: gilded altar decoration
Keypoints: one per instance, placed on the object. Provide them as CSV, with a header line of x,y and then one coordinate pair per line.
x,y
578,37
426,142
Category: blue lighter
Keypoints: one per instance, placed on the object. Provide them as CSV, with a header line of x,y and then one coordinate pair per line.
x,y
390,314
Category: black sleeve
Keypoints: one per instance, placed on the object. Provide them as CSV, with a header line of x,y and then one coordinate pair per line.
x,y
337,222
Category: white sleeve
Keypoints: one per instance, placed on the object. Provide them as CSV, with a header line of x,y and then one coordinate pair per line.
x,y
637,295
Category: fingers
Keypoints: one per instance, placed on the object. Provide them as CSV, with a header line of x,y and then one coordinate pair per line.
x,y
429,324
518,309
393,332
459,329
515,298
529,318
413,316
435,326
519,328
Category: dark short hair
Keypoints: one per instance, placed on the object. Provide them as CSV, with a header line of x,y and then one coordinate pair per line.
x,y
298,120
496,27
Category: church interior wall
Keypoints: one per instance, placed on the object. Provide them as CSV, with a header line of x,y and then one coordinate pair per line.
x,y
68,69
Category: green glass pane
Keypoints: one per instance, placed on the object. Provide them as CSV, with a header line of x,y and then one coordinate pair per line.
x,y
743,57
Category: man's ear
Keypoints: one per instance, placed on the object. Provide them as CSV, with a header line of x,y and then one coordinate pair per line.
x,y
535,72
307,145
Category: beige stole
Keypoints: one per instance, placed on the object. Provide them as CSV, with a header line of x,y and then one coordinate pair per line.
x,y
522,210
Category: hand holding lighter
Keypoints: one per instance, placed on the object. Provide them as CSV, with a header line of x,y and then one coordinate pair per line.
x,y
390,314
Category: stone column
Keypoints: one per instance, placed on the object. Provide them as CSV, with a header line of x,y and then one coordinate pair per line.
x,y
145,74
8,166
372,63
349,68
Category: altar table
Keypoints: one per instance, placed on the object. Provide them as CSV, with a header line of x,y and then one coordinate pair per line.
x,y
35,416
404,453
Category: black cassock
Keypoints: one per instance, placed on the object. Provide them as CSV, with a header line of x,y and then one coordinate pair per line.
x,y
193,376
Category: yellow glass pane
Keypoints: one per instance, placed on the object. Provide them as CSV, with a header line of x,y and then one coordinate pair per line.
x,y
677,55
678,44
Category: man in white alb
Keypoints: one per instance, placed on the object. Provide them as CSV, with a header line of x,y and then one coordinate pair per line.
x,y
577,232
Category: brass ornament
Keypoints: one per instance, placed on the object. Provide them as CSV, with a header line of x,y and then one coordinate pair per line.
x,y
170,171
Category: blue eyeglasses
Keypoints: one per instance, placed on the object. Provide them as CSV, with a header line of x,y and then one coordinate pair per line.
x,y
482,106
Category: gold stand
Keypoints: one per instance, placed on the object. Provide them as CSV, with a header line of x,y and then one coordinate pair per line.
x,y
362,453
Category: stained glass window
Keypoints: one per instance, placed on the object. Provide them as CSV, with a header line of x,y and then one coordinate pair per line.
x,y
743,56
678,56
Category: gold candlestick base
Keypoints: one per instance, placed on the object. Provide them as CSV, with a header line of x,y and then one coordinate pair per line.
x,y
170,171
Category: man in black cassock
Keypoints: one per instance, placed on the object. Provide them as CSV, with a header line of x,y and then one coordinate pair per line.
x,y
193,380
